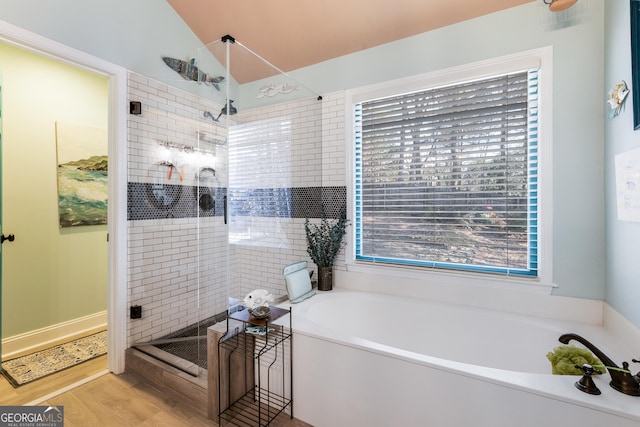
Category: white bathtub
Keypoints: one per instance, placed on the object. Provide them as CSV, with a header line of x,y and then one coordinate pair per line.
x,y
364,359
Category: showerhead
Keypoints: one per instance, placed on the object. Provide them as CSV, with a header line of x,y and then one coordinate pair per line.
x,y
232,110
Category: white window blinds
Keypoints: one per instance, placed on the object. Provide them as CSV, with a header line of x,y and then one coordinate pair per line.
x,y
447,177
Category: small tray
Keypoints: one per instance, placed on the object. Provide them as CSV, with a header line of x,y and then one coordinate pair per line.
x,y
245,316
261,312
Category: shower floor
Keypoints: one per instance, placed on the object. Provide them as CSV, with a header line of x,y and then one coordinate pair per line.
x,y
194,350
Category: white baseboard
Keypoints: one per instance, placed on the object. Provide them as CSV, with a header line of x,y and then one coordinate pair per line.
x,y
52,335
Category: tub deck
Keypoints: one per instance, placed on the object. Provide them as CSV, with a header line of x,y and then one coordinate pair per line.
x,y
383,349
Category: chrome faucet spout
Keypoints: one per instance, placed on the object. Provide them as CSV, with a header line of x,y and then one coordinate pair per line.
x,y
621,378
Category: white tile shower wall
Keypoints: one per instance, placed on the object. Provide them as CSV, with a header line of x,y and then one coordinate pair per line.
x,y
334,163
260,267
177,267
304,167
174,116
164,277
176,277
334,171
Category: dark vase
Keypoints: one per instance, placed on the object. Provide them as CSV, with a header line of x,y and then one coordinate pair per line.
x,y
325,278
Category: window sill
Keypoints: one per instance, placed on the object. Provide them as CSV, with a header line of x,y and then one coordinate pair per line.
x,y
447,278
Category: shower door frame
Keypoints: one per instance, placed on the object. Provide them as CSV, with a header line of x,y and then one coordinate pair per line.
x,y
117,208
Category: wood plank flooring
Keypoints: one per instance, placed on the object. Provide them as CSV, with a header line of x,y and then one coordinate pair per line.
x,y
50,384
127,401
123,401
109,400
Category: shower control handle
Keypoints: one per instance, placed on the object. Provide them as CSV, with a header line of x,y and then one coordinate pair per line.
x,y
225,209
10,238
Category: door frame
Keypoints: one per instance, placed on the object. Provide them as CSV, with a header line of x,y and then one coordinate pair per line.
x,y
118,144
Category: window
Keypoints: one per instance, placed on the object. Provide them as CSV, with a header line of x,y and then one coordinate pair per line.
x,y
446,176
258,195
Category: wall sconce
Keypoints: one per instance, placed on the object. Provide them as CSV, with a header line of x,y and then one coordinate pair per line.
x,y
558,5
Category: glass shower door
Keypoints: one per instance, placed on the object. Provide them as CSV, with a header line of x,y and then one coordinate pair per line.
x,y
228,169
177,212
274,169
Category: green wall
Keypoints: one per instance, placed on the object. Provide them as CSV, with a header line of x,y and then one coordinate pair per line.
x,y
50,275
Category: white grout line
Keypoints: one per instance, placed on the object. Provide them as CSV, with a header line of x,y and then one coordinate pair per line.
x,y
67,388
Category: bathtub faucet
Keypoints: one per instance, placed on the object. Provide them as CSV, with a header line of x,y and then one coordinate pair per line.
x,y
621,378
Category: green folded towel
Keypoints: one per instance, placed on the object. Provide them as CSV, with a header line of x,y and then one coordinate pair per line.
x,y
565,358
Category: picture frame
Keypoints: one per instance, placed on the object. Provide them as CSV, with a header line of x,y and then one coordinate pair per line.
x,y
82,173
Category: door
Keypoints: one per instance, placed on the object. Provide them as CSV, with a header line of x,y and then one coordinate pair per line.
x,y
3,239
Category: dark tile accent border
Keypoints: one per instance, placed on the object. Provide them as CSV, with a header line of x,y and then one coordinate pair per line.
x,y
141,206
295,202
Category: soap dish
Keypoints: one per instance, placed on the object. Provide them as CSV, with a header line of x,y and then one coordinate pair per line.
x,y
261,312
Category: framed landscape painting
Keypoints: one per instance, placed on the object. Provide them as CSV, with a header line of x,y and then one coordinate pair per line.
x,y
82,174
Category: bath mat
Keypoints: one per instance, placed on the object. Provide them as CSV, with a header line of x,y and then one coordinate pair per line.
x,y
24,369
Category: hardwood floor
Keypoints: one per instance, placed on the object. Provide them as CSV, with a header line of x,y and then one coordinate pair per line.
x,y
106,399
126,401
37,389
123,400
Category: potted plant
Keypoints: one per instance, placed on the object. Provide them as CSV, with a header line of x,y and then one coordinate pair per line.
x,y
324,241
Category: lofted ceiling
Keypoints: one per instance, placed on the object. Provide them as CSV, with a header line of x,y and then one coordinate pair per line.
x,y
293,34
